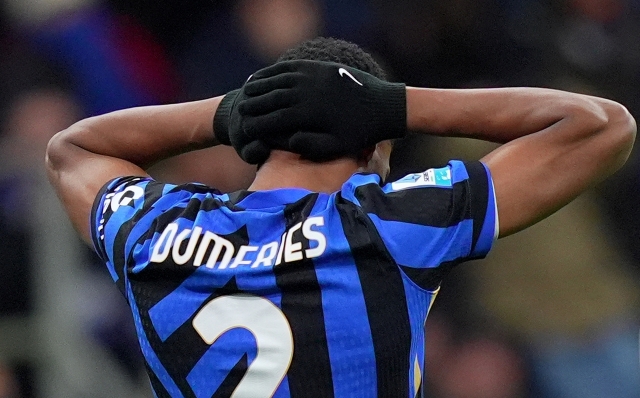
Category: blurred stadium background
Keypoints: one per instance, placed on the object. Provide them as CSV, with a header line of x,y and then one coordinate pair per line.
x,y
553,312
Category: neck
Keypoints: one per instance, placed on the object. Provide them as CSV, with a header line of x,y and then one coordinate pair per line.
x,y
288,170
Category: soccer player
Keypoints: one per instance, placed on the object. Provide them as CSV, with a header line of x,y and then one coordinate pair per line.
x,y
317,280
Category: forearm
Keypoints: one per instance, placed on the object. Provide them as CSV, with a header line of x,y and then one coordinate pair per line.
x,y
556,144
498,115
146,135
82,158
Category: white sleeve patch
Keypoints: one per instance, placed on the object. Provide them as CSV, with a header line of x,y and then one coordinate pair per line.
x,y
432,177
123,199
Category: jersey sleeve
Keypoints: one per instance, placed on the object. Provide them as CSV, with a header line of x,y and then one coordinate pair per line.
x,y
433,220
128,211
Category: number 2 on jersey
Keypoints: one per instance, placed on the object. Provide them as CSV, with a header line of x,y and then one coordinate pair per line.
x,y
269,327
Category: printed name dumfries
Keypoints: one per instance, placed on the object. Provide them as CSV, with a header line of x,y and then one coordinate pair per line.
x,y
222,251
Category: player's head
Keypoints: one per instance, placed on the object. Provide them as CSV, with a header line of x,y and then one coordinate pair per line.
x,y
339,51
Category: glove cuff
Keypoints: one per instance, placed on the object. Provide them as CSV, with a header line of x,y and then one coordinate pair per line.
x,y
390,115
222,117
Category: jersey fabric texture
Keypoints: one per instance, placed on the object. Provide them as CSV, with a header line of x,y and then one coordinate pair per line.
x,y
288,292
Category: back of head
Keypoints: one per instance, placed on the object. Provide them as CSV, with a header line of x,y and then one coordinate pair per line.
x,y
335,50
329,49
326,50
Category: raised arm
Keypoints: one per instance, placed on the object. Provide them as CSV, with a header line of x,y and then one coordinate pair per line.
x,y
82,158
556,144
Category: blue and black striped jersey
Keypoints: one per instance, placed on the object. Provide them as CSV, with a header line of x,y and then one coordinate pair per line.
x,y
290,293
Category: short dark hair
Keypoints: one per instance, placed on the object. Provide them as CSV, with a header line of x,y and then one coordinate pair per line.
x,y
335,50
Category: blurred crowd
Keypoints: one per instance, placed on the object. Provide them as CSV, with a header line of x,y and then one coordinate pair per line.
x,y
553,312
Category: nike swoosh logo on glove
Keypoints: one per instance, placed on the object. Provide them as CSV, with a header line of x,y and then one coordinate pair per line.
x,y
343,71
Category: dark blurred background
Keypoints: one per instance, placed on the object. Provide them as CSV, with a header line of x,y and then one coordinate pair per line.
x,y
554,310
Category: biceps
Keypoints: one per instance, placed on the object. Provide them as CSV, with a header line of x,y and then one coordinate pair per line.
x,y
534,177
79,180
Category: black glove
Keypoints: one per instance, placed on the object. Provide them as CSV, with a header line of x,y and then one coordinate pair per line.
x,y
222,118
228,130
321,110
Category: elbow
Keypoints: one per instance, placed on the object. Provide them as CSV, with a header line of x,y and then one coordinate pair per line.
x,y
58,151
606,127
628,128
621,129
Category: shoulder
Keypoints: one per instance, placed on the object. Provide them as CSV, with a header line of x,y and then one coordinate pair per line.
x,y
438,181
127,200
